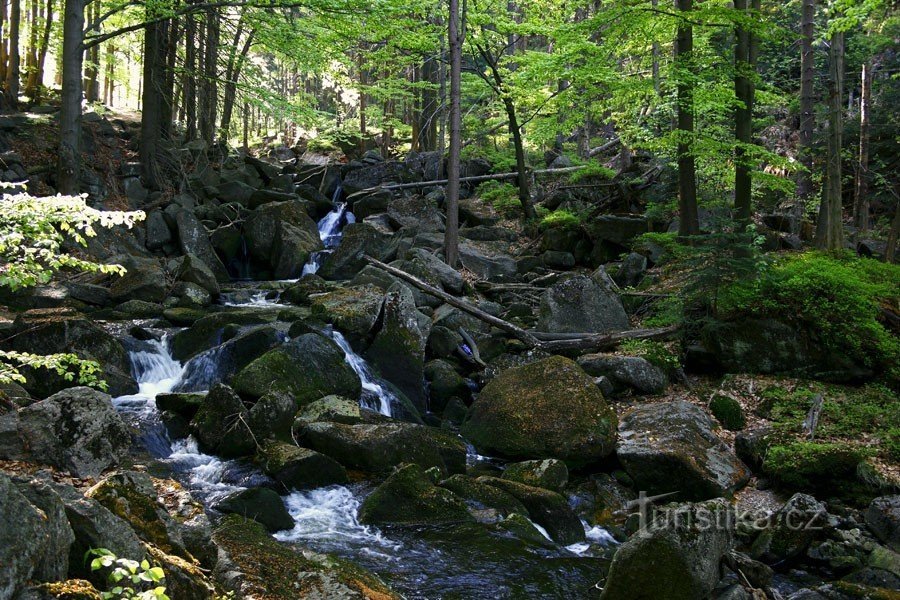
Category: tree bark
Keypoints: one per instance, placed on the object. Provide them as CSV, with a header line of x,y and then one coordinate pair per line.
x,y
189,80
891,249
829,229
861,200
12,69
69,156
451,232
210,62
231,81
688,223
807,105
744,88
35,84
152,99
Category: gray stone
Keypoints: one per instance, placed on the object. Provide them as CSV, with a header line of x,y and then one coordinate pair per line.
x,y
260,504
193,238
53,564
221,423
626,372
883,518
24,538
192,269
159,234
578,304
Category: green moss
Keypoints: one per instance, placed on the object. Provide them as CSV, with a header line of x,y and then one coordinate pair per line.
x,y
560,219
504,197
812,465
72,589
655,353
409,496
728,411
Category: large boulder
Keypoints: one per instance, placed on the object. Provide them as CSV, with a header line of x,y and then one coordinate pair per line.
x,y
546,409
301,468
54,561
76,429
221,423
348,259
791,530
143,280
193,270
376,447
408,496
626,372
546,508
451,279
206,331
308,368
352,310
193,238
225,360
417,213
263,226
480,496
549,473
579,304
260,504
883,518
398,350
487,262
24,538
444,383
671,447
71,334
675,557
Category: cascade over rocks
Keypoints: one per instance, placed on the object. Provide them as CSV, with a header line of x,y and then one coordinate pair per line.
x,y
545,507
671,447
260,504
546,409
307,368
221,423
359,240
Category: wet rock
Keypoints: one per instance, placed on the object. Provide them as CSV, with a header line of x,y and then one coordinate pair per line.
x,y
408,496
193,238
189,295
307,368
227,359
359,240
272,416
338,409
131,496
76,429
206,332
626,372
549,473
378,447
578,304
260,504
674,558
480,496
371,204
792,529
300,468
142,280
546,409
192,269
255,565
185,404
546,508
883,518
352,310
444,383
398,350
25,537
221,423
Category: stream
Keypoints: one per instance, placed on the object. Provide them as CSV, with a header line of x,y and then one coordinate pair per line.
x,y
456,561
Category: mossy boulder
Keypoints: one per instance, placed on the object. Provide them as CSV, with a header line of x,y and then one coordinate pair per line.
x,y
185,404
260,504
130,495
728,411
626,372
306,368
546,409
793,528
359,240
338,409
548,509
579,304
550,474
671,447
206,332
408,496
883,518
675,558
481,496
377,447
300,468
521,527
813,465
352,310
444,383
272,417
221,423
254,564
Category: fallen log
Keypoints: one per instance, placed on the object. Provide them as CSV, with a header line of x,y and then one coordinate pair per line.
x,y
549,342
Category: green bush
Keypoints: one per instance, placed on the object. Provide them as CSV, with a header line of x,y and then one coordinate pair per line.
x,y
728,411
653,352
504,197
837,298
560,219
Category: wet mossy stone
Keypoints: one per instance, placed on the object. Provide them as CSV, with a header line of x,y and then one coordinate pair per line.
x,y
378,447
300,468
521,526
206,332
185,404
272,417
131,497
548,509
408,496
352,310
444,383
260,504
483,496
728,411
793,528
306,368
221,423
256,565
546,409
338,409
549,473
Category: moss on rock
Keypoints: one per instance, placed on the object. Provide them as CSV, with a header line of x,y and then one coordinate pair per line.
x,y
408,496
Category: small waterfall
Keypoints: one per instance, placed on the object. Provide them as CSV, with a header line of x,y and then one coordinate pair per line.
x,y
375,396
329,232
258,299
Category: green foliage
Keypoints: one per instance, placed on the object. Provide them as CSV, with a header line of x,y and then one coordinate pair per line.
x,y
812,465
836,297
128,579
665,312
32,233
590,170
654,352
728,411
560,219
504,197
673,249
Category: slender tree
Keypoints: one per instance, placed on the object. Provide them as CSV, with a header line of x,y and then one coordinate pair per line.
x,y
69,155
451,232
807,104
13,60
689,223
744,87
861,190
829,229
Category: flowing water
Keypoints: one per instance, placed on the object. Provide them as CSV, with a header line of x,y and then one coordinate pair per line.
x,y
376,395
330,232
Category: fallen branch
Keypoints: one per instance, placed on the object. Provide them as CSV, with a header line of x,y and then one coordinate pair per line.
x,y
550,342
472,179
607,146
812,417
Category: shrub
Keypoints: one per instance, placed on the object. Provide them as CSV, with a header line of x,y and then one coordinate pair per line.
x,y
128,578
504,197
653,352
560,219
728,411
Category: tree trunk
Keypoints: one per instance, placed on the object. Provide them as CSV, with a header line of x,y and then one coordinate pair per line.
x,y
861,200
210,75
152,99
231,81
521,167
807,105
891,249
4,53
744,88
90,63
189,80
688,223
34,87
12,69
829,229
451,232
69,166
